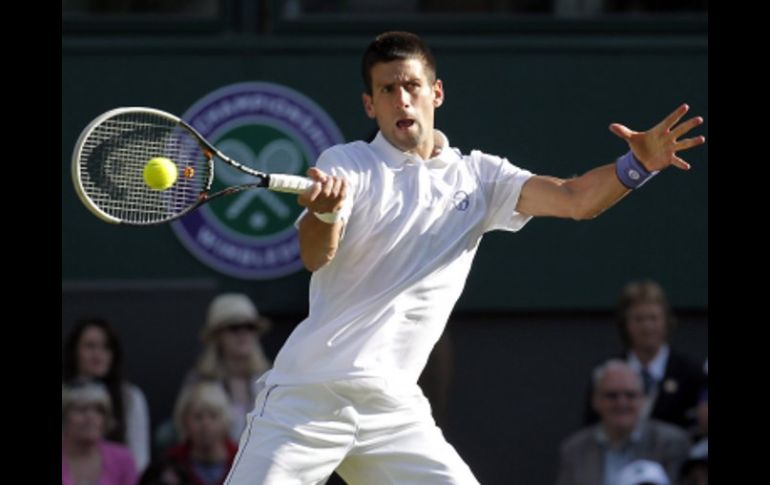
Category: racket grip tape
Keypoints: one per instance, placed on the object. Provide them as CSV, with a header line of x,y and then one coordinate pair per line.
x,y
294,184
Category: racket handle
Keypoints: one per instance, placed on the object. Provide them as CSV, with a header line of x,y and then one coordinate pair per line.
x,y
289,183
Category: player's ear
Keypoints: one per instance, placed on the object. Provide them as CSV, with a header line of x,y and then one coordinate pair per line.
x,y
438,93
368,105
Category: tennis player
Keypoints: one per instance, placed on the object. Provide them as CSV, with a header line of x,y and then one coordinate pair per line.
x,y
390,232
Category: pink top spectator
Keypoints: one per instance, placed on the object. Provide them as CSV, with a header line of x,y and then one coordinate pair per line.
x,y
118,466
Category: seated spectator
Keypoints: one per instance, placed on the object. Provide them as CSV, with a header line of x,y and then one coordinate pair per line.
x,y
596,454
92,352
202,419
672,382
85,455
232,356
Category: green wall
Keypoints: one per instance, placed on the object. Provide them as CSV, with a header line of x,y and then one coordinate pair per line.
x,y
544,101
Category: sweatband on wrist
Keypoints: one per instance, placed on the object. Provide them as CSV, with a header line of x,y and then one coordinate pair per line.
x,y
328,217
631,172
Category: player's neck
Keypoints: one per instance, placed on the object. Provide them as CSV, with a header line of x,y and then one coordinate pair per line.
x,y
426,151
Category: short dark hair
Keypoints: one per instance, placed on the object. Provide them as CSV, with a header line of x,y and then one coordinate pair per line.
x,y
392,46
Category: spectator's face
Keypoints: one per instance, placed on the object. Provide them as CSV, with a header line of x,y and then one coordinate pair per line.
x,y
94,354
646,324
205,425
403,102
618,399
84,422
238,340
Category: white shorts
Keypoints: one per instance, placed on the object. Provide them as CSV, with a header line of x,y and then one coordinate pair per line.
x,y
368,433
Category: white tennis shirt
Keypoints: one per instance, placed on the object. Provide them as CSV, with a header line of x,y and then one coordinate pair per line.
x,y
412,228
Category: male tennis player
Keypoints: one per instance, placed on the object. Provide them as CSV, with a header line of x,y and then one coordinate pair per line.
x,y
390,231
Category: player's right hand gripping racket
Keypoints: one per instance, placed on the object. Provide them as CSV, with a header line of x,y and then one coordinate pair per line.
x,y
111,153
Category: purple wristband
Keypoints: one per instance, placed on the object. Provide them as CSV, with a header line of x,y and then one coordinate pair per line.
x,y
631,172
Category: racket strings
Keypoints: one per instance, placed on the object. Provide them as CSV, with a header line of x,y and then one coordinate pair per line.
x,y
112,164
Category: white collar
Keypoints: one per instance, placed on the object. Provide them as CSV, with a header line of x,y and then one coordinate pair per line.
x,y
396,158
656,367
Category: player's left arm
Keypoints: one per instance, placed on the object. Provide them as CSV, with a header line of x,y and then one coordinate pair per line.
x,y
590,194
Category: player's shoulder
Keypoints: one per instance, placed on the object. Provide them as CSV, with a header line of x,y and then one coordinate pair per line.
x,y
489,166
351,158
479,162
480,157
345,153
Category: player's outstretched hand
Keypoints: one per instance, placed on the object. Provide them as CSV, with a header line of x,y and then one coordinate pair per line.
x,y
326,195
656,148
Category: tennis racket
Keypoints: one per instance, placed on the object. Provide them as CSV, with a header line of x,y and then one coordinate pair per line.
x,y
111,153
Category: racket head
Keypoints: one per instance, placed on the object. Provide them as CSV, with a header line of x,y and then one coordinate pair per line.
x,y
110,155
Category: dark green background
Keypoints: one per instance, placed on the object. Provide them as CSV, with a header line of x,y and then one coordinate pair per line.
x,y
544,101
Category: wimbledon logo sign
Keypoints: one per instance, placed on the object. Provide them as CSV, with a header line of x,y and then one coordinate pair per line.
x,y
272,128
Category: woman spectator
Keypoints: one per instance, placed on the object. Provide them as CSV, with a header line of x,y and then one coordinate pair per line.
x,y
86,457
233,354
92,353
202,419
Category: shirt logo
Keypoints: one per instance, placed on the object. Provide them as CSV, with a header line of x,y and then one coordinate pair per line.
x,y
461,200
272,128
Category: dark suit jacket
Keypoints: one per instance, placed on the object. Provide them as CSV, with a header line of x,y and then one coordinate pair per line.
x,y
678,392
582,456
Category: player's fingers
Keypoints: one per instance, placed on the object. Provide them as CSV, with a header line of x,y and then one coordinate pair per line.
x,y
316,191
686,126
309,195
689,143
680,163
674,117
328,185
337,186
621,131
317,174
343,188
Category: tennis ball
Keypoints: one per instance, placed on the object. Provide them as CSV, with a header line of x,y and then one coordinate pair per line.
x,y
160,173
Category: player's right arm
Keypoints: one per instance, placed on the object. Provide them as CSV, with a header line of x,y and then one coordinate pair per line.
x,y
319,240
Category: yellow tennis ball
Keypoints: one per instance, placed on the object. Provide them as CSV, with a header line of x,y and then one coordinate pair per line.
x,y
160,173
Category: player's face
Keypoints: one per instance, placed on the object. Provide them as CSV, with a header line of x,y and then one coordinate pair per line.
x,y
618,399
403,102
646,324
94,353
